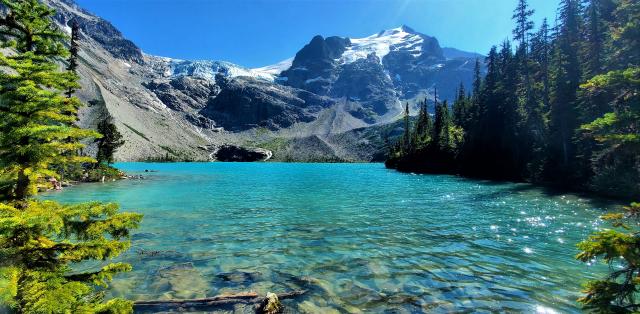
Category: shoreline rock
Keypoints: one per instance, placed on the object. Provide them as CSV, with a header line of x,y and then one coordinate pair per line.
x,y
233,153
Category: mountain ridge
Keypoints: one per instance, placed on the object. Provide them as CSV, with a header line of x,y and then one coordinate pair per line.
x,y
164,105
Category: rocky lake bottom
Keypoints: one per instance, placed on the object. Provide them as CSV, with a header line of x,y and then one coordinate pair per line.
x,y
357,237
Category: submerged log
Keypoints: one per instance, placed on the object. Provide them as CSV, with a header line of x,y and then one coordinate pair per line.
x,y
212,303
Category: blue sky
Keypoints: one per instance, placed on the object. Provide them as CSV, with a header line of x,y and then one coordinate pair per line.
x,y
255,33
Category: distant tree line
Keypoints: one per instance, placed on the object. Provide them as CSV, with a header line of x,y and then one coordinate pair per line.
x,y
562,107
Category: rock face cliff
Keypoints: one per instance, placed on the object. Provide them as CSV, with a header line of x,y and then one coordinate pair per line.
x,y
333,101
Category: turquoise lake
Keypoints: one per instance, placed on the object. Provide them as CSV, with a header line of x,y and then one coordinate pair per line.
x,y
359,237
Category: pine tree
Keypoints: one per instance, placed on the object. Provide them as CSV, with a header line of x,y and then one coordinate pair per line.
x,y
615,160
522,16
513,107
477,82
110,141
473,110
565,81
39,240
444,135
73,54
461,108
529,129
618,248
540,53
626,31
422,127
37,122
406,138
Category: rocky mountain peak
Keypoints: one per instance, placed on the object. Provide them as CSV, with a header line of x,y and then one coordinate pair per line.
x,y
98,29
333,85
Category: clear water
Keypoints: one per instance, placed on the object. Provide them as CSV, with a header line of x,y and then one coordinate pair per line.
x,y
360,237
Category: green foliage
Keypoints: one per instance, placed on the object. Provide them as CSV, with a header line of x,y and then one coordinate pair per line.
x,y
562,110
623,90
92,173
625,32
110,141
617,292
42,241
95,174
422,128
614,160
74,49
36,129
428,144
35,265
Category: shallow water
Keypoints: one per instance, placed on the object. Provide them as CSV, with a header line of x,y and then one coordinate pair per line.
x,y
360,237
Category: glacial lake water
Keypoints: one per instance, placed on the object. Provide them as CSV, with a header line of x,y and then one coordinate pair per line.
x,y
359,237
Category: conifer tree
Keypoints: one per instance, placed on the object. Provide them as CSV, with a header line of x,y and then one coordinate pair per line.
x,y
73,54
522,16
41,240
540,51
625,34
477,83
617,132
513,107
618,292
406,138
594,40
37,121
614,161
110,141
565,82
444,135
422,127
530,129
461,108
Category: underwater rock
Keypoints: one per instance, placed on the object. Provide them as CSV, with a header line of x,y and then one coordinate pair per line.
x,y
309,307
180,281
160,255
240,277
291,280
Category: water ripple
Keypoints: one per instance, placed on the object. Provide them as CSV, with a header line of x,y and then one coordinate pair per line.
x,y
361,238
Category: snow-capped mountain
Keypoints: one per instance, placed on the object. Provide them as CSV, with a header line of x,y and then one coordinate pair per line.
x,y
330,101
380,70
381,44
208,69
275,70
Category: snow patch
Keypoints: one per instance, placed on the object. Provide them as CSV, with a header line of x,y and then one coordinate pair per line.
x,y
300,69
208,70
275,69
317,79
383,43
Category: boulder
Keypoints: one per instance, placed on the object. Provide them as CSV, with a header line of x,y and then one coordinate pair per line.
x,y
232,153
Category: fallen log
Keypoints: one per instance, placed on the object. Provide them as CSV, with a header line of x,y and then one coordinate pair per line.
x,y
211,303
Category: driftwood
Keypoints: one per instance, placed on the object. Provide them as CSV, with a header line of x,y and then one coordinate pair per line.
x,y
211,303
